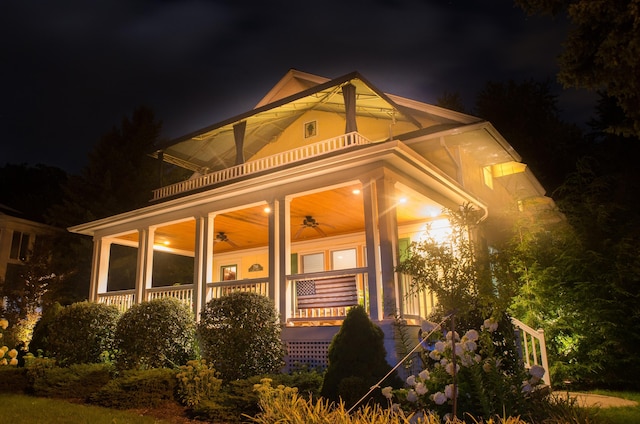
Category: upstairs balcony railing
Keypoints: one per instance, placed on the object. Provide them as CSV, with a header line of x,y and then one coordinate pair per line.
x,y
264,164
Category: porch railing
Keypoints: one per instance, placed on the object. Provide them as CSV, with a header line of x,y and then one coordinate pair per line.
x,y
183,293
533,348
264,164
333,292
223,288
122,299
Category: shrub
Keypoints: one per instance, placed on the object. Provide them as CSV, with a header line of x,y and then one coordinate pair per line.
x,y
78,381
13,380
357,358
240,335
197,381
155,334
137,389
237,398
83,332
42,330
485,384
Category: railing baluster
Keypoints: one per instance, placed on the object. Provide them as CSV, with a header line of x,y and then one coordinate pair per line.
x,y
268,162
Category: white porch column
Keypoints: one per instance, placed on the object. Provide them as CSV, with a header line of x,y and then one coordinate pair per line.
x,y
388,228
279,254
100,267
144,269
203,262
381,233
372,240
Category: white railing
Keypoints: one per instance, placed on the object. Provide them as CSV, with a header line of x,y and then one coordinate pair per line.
x,y
183,293
533,348
223,288
122,299
264,164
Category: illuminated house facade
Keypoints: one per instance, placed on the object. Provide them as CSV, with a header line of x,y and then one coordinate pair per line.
x,y
308,199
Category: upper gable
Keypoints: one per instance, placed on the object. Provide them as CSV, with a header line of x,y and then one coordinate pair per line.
x,y
276,123
293,82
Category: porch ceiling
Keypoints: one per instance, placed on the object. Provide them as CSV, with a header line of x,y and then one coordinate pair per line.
x,y
337,211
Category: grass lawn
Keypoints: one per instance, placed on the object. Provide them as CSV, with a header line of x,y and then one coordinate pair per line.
x,y
621,415
21,409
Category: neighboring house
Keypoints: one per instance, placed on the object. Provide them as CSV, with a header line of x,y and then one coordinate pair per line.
x,y
18,236
308,198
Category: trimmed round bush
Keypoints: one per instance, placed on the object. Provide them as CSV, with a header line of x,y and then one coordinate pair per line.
x,y
240,334
82,332
155,334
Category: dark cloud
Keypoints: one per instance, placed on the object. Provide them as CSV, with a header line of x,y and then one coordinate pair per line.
x,y
73,69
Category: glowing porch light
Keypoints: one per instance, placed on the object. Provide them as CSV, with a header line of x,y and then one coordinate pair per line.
x,y
267,209
356,191
438,230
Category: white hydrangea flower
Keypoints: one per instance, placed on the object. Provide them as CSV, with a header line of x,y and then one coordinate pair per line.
x,y
449,392
411,380
439,398
387,392
536,371
490,325
471,335
424,375
421,389
412,396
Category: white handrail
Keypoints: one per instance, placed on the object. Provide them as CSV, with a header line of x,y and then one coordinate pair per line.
x,y
263,164
533,348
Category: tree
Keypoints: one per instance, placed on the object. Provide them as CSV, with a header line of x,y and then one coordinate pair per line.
x,y
240,335
602,50
26,287
526,114
119,177
357,359
31,190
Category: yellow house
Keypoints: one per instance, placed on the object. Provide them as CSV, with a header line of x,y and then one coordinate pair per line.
x,y
307,199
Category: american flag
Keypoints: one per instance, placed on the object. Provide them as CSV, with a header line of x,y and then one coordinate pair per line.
x,y
327,292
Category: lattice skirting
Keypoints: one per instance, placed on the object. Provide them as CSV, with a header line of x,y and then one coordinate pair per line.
x,y
310,353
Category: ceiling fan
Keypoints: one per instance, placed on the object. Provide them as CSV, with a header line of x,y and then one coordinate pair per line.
x,y
222,237
310,222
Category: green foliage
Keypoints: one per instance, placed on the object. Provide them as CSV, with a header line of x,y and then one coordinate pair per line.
x,y
155,334
83,332
137,389
601,51
488,381
197,381
42,330
356,354
284,404
13,380
78,381
240,335
450,268
237,398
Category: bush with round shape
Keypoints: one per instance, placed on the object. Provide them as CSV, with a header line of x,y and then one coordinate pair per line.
x,y
357,359
240,334
82,332
155,334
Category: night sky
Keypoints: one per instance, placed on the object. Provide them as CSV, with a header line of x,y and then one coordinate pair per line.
x,y
71,70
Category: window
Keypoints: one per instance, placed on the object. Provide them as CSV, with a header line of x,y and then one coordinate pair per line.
x,y
19,246
343,259
228,272
313,263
